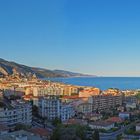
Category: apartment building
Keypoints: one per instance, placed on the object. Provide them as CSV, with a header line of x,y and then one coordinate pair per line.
x,y
49,107
53,90
88,92
44,91
15,113
84,108
102,102
52,107
67,112
70,90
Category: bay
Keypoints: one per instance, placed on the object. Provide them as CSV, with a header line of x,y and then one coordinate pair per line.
x,y
122,83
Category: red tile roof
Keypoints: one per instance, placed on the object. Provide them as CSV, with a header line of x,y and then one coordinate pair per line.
x,y
115,119
3,127
40,131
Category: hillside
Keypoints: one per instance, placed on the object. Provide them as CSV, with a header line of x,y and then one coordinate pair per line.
x,y
8,68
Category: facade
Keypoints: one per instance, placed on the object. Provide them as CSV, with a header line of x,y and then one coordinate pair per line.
x,y
70,90
14,91
103,102
89,92
15,113
138,127
115,120
75,122
85,108
44,133
44,91
3,129
35,101
131,99
67,112
131,105
55,90
102,125
124,115
92,117
51,107
20,135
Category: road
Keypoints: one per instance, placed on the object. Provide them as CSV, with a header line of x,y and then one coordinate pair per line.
x,y
113,136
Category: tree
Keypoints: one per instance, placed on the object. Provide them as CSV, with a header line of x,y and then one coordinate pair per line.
x,y
35,111
56,122
70,132
22,127
96,135
14,97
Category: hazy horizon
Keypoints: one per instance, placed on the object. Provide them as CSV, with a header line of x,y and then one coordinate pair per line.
x,y
92,37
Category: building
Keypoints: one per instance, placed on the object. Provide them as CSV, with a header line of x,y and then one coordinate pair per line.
x,y
75,122
55,89
102,125
115,120
49,107
3,129
131,99
52,107
112,91
131,105
85,108
138,127
47,90
15,113
21,135
103,102
67,112
35,101
89,92
124,115
42,132
92,116
15,91
70,90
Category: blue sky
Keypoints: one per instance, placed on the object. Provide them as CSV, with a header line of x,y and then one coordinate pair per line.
x,y
99,37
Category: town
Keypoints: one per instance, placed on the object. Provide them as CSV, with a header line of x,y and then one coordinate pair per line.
x,y
31,108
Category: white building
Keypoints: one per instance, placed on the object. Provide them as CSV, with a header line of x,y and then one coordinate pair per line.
x,y
20,135
52,107
3,129
102,125
124,115
84,108
36,101
67,112
16,112
49,107
44,91
138,127
131,105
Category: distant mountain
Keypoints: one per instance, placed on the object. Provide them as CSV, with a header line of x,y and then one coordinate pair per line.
x,y
72,74
9,68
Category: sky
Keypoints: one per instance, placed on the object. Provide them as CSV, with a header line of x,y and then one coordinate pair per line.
x,y
100,37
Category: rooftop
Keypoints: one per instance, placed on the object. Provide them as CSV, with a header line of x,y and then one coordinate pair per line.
x,y
20,135
102,123
41,132
115,119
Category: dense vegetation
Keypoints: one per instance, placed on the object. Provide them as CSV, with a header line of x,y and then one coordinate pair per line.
x,y
74,132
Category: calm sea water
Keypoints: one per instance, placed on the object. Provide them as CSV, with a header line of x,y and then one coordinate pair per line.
x,y
103,83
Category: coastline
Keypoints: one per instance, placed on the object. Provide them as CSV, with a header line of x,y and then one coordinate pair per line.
x,y
122,83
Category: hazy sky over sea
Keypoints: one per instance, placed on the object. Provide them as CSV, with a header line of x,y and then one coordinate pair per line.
x,y
99,37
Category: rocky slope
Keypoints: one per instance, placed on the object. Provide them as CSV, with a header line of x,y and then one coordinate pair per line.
x,y
8,68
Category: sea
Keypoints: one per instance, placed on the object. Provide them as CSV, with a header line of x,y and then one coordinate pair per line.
x,y
122,83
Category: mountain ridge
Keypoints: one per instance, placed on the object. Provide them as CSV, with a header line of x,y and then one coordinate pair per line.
x,y
11,67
